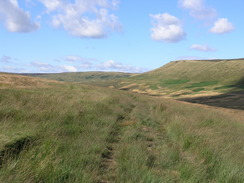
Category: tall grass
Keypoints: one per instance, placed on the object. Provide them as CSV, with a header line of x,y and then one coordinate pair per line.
x,y
90,134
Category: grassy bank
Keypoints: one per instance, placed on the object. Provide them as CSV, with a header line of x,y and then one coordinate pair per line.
x,y
78,133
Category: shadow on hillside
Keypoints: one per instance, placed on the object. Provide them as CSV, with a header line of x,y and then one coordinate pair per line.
x,y
233,99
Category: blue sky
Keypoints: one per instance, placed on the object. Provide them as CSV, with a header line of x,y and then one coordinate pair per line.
x,y
47,36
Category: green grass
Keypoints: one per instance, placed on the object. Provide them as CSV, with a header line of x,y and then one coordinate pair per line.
x,y
176,81
240,86
186,93
223,87
153,87
198,89
80,133
201,84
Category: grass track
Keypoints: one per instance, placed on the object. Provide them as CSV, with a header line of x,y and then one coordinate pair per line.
x,y
90,134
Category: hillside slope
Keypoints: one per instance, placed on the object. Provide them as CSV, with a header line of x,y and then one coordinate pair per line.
x,y
189,78
177,79
224,71
13,80
70,132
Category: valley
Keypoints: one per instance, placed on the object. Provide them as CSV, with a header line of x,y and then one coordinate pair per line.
x,y
56,131
211,82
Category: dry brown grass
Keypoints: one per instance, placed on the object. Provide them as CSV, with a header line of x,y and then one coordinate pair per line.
x,y
18,81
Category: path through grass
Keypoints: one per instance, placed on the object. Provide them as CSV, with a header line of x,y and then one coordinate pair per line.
x,y
91,135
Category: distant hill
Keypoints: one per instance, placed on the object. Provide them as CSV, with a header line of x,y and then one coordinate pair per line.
x,y
95,78
189,78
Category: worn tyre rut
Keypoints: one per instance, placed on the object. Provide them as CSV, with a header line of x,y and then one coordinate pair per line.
x,y
108,165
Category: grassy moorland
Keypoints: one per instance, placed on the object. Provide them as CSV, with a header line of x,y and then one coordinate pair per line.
x,y
177,79
189,78
66,132
212,82
94,78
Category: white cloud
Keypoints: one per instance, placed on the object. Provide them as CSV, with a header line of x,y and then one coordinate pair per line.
x,y
91,64
16,19
76,66
51,5
221,26
166,28
111,65
46,67
198,9
82,63
68,68
84,18
204,48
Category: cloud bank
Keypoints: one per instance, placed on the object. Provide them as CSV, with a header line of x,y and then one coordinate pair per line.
x,y
78,64
80,18
84,18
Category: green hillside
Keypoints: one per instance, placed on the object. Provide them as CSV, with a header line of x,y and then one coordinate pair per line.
x,y
177,79
67,132
182,78
212,82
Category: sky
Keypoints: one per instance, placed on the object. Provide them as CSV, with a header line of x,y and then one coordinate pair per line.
x,y
52,36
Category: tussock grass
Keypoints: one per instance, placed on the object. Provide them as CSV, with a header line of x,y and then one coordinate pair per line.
x,y
91,134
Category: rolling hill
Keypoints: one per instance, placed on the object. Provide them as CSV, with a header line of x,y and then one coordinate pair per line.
x,y
70,132
177,79
212,82
188,78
